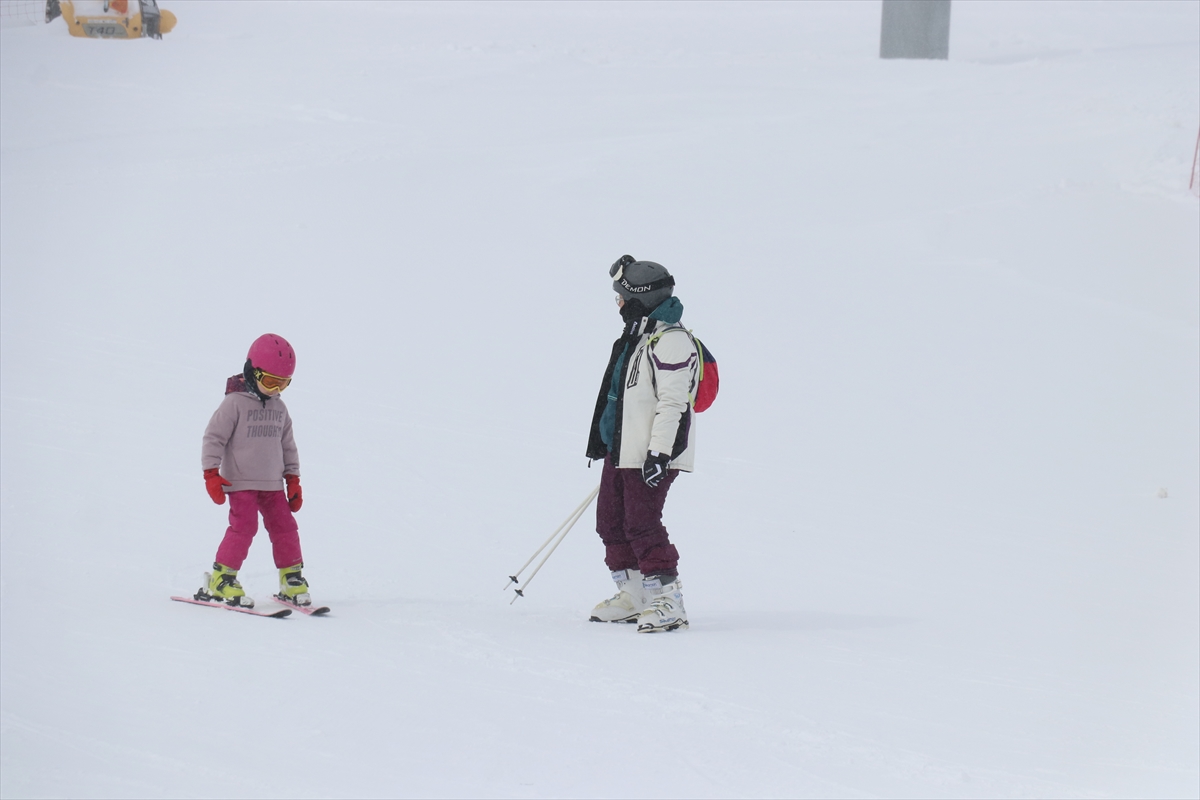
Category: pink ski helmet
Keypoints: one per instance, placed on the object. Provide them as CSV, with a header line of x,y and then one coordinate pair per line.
x,y
272,353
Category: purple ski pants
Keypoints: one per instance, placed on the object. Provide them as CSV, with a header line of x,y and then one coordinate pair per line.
x,y
243,524
629,521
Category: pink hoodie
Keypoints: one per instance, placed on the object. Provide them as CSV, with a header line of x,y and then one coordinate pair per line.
x,y
251,441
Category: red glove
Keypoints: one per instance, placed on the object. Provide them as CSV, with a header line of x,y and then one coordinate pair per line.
x,y
295,494
213,482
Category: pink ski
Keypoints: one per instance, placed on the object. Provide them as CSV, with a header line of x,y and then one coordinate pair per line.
x,y
271,610
309,610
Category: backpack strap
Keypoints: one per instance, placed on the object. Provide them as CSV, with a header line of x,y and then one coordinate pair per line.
x,y
674,326
654,337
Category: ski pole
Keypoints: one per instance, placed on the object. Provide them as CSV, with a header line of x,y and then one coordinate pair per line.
x,y
570,517
567,524
520,591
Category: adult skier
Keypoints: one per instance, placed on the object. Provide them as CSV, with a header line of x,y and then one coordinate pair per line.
x,y
248,457
643,430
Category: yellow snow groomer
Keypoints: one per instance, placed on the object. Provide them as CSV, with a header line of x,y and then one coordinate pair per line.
x,y
113,19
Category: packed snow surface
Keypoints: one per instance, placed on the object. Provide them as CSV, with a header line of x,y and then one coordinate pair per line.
x,y
942,540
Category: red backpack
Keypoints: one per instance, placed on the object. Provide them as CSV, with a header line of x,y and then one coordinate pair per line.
x,y
709,379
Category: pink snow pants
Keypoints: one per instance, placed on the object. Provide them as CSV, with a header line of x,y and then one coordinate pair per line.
x,y
243,524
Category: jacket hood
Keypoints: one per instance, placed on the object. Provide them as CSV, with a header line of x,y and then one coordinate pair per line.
x,y
236,383
669,311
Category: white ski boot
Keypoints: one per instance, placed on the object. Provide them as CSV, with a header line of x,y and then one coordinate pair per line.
x,y
665,611
627,603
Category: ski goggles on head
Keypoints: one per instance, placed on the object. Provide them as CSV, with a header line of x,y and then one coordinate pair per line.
x,y
617,270
270,381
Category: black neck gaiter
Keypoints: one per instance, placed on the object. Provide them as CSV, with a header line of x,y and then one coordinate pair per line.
x,y
252,383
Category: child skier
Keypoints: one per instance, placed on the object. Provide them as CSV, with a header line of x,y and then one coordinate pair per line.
x,y
643,431
248,456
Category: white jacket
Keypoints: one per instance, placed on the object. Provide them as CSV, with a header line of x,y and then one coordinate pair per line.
x,y
654,400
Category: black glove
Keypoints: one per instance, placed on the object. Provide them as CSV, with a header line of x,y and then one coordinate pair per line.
x,y
654,468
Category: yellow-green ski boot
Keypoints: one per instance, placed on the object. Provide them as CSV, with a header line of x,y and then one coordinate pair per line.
x,y
223,586
293,587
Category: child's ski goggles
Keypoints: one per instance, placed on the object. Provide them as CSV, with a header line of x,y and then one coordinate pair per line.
x,y
270,381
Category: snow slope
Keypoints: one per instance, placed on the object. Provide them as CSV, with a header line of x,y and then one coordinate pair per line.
x,y
925,553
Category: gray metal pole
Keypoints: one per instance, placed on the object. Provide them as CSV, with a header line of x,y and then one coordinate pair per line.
x,y
915,29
